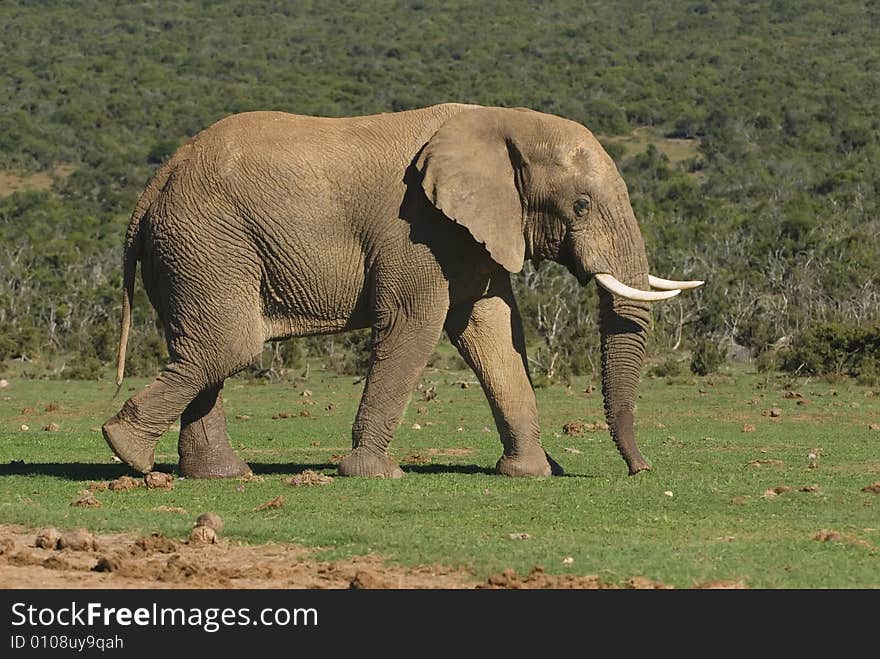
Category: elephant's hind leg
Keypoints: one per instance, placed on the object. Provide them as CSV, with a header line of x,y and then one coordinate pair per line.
x,y
135,430
489,336
204,448
196,366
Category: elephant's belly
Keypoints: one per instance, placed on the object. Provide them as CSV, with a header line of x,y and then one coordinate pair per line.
x,y
315,296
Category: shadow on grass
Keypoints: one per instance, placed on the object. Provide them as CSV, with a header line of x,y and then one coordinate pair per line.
x,y
83,471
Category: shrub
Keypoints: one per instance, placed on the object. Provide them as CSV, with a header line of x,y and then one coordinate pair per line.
x,y
834,349
707,357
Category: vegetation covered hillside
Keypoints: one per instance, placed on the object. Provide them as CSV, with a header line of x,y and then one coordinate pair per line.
x,y
747,132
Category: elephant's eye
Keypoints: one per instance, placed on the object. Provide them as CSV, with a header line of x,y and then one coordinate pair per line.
x,y
582,207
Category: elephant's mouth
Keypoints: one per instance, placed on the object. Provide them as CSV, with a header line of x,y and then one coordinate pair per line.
x,y
666,288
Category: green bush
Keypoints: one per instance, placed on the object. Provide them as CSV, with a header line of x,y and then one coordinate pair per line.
x,y
669,367
707,357
834,349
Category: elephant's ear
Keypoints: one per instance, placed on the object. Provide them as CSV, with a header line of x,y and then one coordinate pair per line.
x,y
469,169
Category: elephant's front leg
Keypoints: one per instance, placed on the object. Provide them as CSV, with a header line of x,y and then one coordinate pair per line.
x,y
204,446
403,339
489,336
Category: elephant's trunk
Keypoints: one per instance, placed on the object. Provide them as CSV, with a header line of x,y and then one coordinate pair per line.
x,y
623,326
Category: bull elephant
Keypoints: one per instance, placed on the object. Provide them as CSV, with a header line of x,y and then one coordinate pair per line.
x,y
270,225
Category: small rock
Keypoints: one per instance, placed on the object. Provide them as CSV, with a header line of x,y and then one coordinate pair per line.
x,y
873,489
202,535
306,393
792,394
810,488
590,389
485,429
86,500
243,417
28,410
77,540
52,427
25,427
211,520
305,413
871,426
569,449
773,412
748,427
4,384
518,536
316,442
803,401
331,407
157,480
416,426
667,493
568,560
48,538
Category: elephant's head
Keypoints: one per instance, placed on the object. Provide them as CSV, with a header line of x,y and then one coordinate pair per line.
x,y
536,186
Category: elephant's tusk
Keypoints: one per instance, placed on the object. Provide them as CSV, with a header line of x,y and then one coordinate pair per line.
x,y
612,285
671,284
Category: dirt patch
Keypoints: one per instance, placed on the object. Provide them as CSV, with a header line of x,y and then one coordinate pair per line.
x,y
126,561
119,561
13,182
539,579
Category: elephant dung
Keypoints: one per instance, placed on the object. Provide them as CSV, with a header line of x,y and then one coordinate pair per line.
x,y
48,538
78,540
157,480
202,535
211,520
86,500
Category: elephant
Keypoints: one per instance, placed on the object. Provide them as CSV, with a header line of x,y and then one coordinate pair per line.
x,y
269,225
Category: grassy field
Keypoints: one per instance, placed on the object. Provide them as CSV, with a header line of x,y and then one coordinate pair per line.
x,y
708,510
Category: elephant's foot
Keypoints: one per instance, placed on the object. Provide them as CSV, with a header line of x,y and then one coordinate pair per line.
x,y
135,450
364,463
637,465
220,461
532,462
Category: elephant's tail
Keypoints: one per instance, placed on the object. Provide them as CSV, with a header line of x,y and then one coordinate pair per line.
x,y
132,253
129,268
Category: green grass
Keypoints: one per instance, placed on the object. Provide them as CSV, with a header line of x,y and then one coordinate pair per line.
x,y
453,511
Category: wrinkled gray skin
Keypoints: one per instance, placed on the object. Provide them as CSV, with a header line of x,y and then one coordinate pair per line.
x,y
269,225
